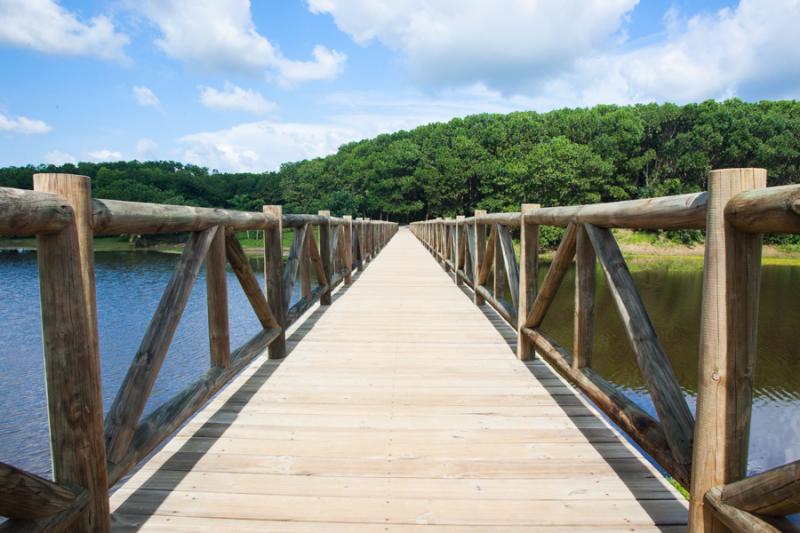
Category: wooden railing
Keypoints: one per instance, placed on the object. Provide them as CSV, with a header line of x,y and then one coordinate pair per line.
x,y
89,454
708,456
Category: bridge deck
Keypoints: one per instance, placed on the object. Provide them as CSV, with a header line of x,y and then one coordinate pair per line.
x,y
401,406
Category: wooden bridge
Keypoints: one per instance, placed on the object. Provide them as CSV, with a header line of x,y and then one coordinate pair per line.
x,y
401,405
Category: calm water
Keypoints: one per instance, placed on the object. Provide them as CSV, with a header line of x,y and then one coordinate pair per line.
x,y
129,285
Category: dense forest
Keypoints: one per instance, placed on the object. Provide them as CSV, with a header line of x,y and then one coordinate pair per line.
x,y
490,161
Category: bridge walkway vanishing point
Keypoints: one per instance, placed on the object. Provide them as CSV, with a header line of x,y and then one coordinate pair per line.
x,y
400,407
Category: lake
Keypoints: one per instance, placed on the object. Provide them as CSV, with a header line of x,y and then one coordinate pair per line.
x,y
129,286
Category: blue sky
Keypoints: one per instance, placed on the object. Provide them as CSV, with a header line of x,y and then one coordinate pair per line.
x,y
238,86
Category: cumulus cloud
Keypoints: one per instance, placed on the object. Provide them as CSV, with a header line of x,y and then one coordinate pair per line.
x,y
264,145
146,147
24,125
45,26
506,43
145,97
57,157
234,98
220,36
105,155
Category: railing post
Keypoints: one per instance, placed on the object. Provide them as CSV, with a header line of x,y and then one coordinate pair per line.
x,y
273,276
460,241
727,345
528,279
348,244
500,281
480,248
325,253
360,247
71,351
584,299
446,243
217,298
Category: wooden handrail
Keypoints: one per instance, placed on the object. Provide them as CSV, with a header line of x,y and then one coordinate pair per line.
x,y
63,216
703,454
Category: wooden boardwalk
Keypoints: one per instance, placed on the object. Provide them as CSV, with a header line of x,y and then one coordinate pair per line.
x,y
400,407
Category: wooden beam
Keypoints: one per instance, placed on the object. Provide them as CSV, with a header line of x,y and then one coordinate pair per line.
x,y
24,212
67,520
585,284
326,256
729,320
71,353
766,210
499,281
24,495
775,492
305,267
247,279
217,297
470,228
488,257
562,260
528,279
637,424
293,263
273,276
348,230
510,263
135,389
732,519
654,365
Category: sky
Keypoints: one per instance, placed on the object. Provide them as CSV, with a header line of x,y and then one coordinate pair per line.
x,y
236,85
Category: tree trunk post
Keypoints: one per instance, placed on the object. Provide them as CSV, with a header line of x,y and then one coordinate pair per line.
x,y
727,346
71,351
273,276
528,279
585,284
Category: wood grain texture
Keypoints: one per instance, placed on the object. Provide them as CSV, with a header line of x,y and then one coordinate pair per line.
x,y
585,283
562,261
24,212
240,265
24,495
480,251
398,417
273,276
326,255
217,297
775,492
528,280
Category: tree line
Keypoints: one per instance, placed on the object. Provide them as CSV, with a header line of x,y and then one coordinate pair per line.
x,y
490,161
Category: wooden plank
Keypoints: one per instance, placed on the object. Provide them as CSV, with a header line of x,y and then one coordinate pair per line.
x,y
729,321
562,260
71,354
217,296
585,284
655,367
132,397
509,263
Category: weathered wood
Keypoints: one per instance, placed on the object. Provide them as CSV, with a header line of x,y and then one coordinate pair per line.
x,y
562,260
273,276
488,256
304,304
470,253
480,251
132,397
360,243
247,279
164,420
461,249
68,519
293,263
504,219
509,263
528,280
348,244
24,212
640,426
316,260
765,210
734,519
499,281
325,253
775,492
305,266
584,300
115,217
501,306
685,211
727,356
654,365
24,495
217,297
71,354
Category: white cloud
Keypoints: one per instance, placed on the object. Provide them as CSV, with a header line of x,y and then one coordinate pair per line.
x,y
23,125
105,155
263,145
234,98
508,44
146,147
45,26
57,157
145,97
219,35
